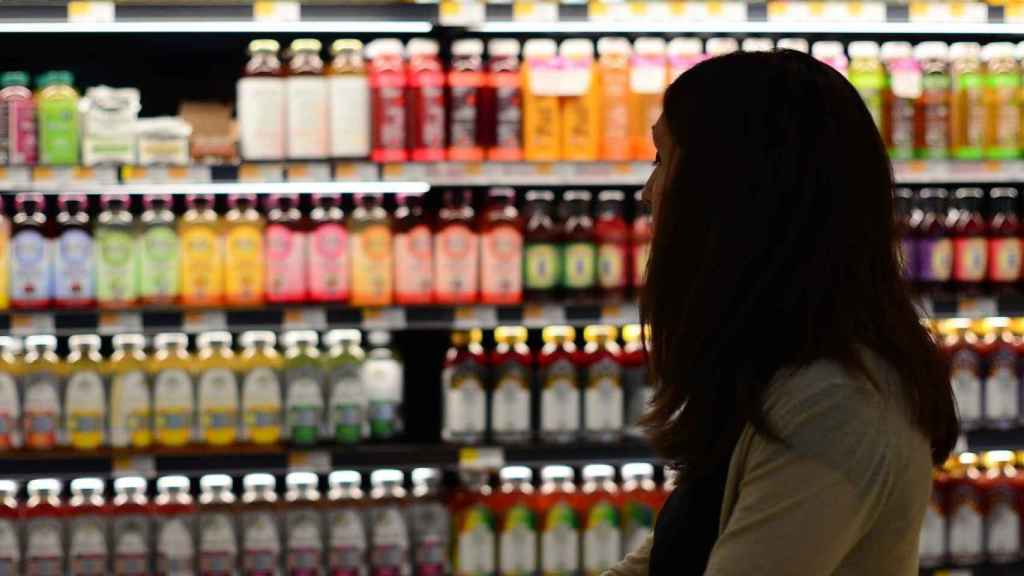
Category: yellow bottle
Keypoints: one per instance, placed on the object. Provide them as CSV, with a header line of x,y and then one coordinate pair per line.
x,y
581,106
243,252
217,386
260,369
85,400
41,385
174,403
542,130
202,254
131,416
10,401
613,85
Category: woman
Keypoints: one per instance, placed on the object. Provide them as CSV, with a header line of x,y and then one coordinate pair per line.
x,y
799,394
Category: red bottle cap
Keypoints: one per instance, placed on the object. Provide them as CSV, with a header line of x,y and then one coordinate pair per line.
x,y
106,199
149,199
193,198
25,197
233,199
64,199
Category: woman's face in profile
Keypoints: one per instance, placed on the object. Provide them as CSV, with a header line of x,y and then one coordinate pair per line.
x,y
662,165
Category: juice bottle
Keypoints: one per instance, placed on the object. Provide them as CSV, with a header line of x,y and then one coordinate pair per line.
x,y
579,258
931,117
970,246
683,54
308,101
602,384
1004,243
465,84
382,376
304,543
868,76
173,395
43,392
720,46
285,250
542,113
580,101
10,541
85,413
901,94
640,240
73,260
5,256
349,95
243,251
260,365
429,524
560,522
636,388
130,529
614,93
1002,101
602,526
1000,493
796,44
43,527
174,527
303,379
57,105
10,396
517,523
131,416
426,116
961,344
474,552
647,76
117,271
542,250
640,502
934,247
260,525
414,263
262,102
327,251
387,79
966,520
372,264
907,217
202,253
389,531
511,407
18,144
346,393
501,249
501,107
159,258
967,108
612,244
346,524
1000,352
88,524
560,387
831,52
217,543
933,546
462,387
31,253
217,389
456,251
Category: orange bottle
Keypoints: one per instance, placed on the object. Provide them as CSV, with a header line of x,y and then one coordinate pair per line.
x,y
581,113
613,84
542,116
647,77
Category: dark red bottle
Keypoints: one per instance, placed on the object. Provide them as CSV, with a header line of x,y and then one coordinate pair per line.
x,y
579,251
934,247
542,259
1004,242
970,245
612,244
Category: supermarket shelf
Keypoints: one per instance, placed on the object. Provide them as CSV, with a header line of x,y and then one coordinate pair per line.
x,y
958,171
993,439
397,187
222,26
952,306
684,26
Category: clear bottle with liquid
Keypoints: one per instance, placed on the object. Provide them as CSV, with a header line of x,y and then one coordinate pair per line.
x,y
43,391
456,250
867,75
347,538
613,79
475,547
501,249
217,389
501,108
579,256
31,257
88,528
1002,101
426,115
465,87
602,384
559,386
559,522
542,247
517,522
174,405
58,120
641,500
414,252
303,380
371,248
967,105
262,99
131,410
383,378
216,540
85,401
580,102
511,407
347,418
259,367
328,264
286,235
160,251
10,394
931,117
648,71
542,112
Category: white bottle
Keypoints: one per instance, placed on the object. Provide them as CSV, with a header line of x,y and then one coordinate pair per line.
x,y
87,532
349,101
383,378
307,102
347,540
261,535
389,530
261,104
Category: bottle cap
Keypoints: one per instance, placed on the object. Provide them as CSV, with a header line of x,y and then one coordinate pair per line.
x,y
219,337
283,201
540,48
422,47
66,200
426,476
685,47
576,48
346,45
931,51
34,198
215,481
598,472
758,45
49,485
8,487
721,45
259,480
540,195
130,483
10,344
386,476
157,200
632,333
577,196
124,340
557,472
47,341
610,196
1003,192
998,50
254,337
305,45
84,341
863,49
384,47
340,336
635,470
502,192
649,46
234,199
796,44
897,50
969,193
503,47
614,46
965,50
379,338
468,47
552,333
168,339
301,479
120,201
510,334
14,78
326,199
263,45
90,485
194,199
515,473
827,49
168,483
344,478
592,333
296,337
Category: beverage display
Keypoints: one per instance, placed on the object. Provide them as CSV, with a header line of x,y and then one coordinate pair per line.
x,y
372,252
85,416
427,124
327,245
579,256
217,401
202,253
261,103
259,367
57,119
159,252
560,403
466,85
345,389
511,408
304,389
74,260
174,403
501,249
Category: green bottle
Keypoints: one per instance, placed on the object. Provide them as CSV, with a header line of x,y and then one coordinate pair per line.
x,y
57,117
303,380
116,254
343,370
158,258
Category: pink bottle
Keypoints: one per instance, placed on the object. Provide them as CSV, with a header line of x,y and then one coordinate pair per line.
x,y
328,263
386,71
426,101
17,120
285,245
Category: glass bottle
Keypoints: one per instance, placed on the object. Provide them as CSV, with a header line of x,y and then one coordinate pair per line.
x,y
43,527
85,412
285,250
303,379
414,262
501,249
307,102
217,540
346,392
579,265
383,378
641,500
961,344
43,392
903,90
456,251
130,527
389,531
262,103
602,535
429,523
202,253
217,389
559,384
243,252
640,240
602,384
1002,101
465,85
160,256
18,130
346,524
542,251
131,417
970,246
372,264
932,108
88,523
116,253
636,388
349,94
518,522
966,521
1004,242
1000,488
501,107
174,527
462,388
74,264
615,92
328,263
560,521
612,242
475,547
967,108
934,247
174,404
31,253
10,394
867,75
303,525
1000,350
511,406
259,365
426,114
387,78
580,100
648,69
58,122
542,113
260,526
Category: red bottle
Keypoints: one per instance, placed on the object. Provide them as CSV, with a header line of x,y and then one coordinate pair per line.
x,y
641,500
174,526
602,384
640,240
456,251
18,143
465,86
74,264
934,247
87,528
475,543
31,254
1004,243
579,255
10,552
561,508
387,79
130,530
328,265
414,263
285,247
515,508
43,525
501,250
462,387
501,114
426,115
962,346
970,246
1000,350
612,243
542,259
511,373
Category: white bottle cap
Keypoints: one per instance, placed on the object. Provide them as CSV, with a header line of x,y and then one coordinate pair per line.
x,y
614,45
41,341
576,48
468,47
379,338
797,44
211,481
165,483
259,479
758,45
598,471
998,50
540,48
721,45
122,340
386,476
51,485
422,47
863,49
296,479
897,49
384,46
685,47
126,483
637,470
167,339
218,337
931,51
425,475
79,485
342,477
827,49
521,473
503,47
253,337
84,341
9,487
963,50
649,46
308,337
557,472
335,337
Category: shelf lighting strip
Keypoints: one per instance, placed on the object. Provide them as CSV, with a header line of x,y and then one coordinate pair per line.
x,y
726,27
221,26
412,188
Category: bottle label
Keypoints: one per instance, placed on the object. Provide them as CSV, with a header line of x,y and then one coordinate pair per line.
x,y
580,265
30,267
389,537
371,266
261,406
1002,388
10,549
428,124
218,406
611,265
932,546
464,92
967,386
430,530
131,545
475,545
465,409
901,131
305,404
970,259
602,539
10,415
42,409
935,98
175,550
348,404
328,263
159,262
174,405
86,409
501,264
87,546
350,116
560,540
286,263
935,257
560,398
969,102
261,543
73,267
641,251
414,276
1003,89
637,524
243,253
1004,259
543,262
615,101
1002,526
23,144
116,272
58,130
218,550
202,264
510,412
44,547
603,397
261,118
347,554
383,380
517,551
307,117
389,118
304,542
966,527
509,117
130,417
457,253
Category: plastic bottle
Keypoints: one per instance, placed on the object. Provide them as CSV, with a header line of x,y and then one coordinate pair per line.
x,y
636,389
414,262
501,249
466,80
285,250
387,78
383,379
579,258
243,252
640,502
160,257
349,91
262,103
967,108
346,392
1004,242
31,253
966,521
542,113
130,529
174,527
931,116
43,527
43,391
174,405
961,344
542,249
217,389
10,540
347,541
502,105
202,253
303,526
1000,349
904,89
868,76
426,114
1002,101
131,417
303,379
456,251
217,539
1002,527
475,547
389,531
612,237
328,264
517,523
260,365
5,258
85,414
371,246
831,52
511,408
116,245
307,99
462,388
59,130
560,387
603,406
640,240
935,249
10,397
260,526
88,526
614,92
970,246
602,533
683,54
581,105
429,523
18,143
647,82
74,264
560,522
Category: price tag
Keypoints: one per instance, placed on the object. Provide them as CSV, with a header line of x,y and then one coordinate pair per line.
x,y
1013,12
857,11
309,172
468,317
15,178
261,173
115,322
539,316
977,307
391,318
356,172
276,11
305,319
481,458
409,171
204,320
166,174
141,465
610,10
91,11
620,314
948,12
461,12
28,324
318,461
535,10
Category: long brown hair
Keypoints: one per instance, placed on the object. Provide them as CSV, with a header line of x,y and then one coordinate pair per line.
x,y
775,246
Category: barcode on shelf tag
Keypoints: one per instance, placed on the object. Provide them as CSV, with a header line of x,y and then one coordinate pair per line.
x,y
305,319
539,316
35,323
461,12
535,10
91,11
141,465
318,461
261,173
114,322
977,307
468,317
388,318
481,458
356,172
276,11
15,177
203,320
620,314
309,172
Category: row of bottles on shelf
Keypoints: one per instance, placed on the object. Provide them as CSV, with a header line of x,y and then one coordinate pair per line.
x,y
213,396
596,393
368,257
477,529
